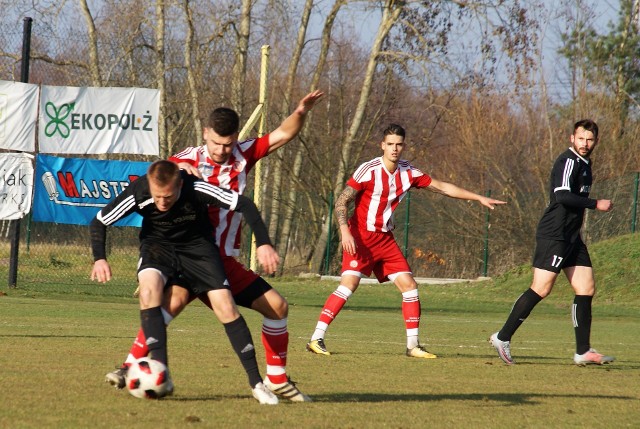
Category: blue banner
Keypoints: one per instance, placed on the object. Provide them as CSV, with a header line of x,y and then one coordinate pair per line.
x,y
72,191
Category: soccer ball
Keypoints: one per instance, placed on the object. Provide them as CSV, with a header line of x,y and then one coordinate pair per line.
x,y
148,378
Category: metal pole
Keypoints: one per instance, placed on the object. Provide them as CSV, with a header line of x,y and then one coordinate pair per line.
x,y
406,225
257,194
485,256
327,254
15,225
635,203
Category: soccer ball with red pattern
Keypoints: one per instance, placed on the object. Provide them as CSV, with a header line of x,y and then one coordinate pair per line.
x,y
148,378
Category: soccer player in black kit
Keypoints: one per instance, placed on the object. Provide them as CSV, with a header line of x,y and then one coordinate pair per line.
x,y
177,245
559,247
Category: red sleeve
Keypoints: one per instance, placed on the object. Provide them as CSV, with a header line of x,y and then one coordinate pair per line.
x,y
189,155
355,185
255,149
422,181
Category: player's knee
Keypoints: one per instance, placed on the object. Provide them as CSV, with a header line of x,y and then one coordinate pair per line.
x,y
281,309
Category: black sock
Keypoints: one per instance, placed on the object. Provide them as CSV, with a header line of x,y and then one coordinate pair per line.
x,y
155,331
581,315
240,338
520,311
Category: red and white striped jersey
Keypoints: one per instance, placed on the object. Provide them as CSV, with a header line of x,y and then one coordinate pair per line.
x,y
380,191
230,175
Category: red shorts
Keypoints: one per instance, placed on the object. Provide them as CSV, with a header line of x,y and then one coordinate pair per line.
x,y
238,275
376,252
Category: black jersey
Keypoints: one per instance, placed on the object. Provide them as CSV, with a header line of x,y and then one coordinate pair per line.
x,y
185,221
569,188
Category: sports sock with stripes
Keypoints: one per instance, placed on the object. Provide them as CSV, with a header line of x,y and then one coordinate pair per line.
x,y
330,311
411,313
581,315
275,339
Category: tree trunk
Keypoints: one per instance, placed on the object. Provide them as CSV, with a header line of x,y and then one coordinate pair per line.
x,y
278,156
240,64
94,61
160,80
297,163
191,79
390,15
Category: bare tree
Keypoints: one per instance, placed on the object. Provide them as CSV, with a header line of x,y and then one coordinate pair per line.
x,y
277,157
241,52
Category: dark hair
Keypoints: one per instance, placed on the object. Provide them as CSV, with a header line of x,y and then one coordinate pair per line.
x,y
394,130
164,173
588,125
224,121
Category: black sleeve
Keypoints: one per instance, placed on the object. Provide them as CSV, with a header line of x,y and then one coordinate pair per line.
x,y
121,206
568,198
98,232
252,216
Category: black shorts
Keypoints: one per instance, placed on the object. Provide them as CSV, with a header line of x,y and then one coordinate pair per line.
x,y
196,264
554,255
244,298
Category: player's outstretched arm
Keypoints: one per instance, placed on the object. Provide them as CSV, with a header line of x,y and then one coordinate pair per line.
x,y
453,191
290,127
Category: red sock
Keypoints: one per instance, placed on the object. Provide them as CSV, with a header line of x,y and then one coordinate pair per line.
x,y
139,348
334,304
275,339
411,310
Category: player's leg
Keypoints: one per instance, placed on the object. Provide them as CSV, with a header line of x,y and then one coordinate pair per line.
x,y
540,287
583,282
252,291
241,341
548,260
175,299
348,284
203,271
411,312
152,283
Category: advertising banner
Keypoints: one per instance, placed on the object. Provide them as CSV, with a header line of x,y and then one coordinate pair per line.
x,y
16,185
72,191
98,120
18,116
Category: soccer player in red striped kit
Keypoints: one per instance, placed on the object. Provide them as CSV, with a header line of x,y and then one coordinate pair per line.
x,y
226,162
368,245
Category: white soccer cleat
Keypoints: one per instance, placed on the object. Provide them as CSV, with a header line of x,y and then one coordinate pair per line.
x,y
264,395
592,357
503,348
287,390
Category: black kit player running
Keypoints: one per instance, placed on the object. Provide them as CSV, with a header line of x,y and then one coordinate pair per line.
x,y
177,241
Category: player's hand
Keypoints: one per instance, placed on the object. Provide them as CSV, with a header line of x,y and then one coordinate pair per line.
x,y
101,271
268,258
490,202
309,101
190,169
348,242
604,205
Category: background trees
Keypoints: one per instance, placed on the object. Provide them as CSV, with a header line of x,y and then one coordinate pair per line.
x,y
467,80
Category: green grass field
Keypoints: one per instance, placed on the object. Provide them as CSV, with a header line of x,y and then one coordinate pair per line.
x,y
55,349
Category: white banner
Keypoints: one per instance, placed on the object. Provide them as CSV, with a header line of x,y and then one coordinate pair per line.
x,y
16,185
98,120
18,115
